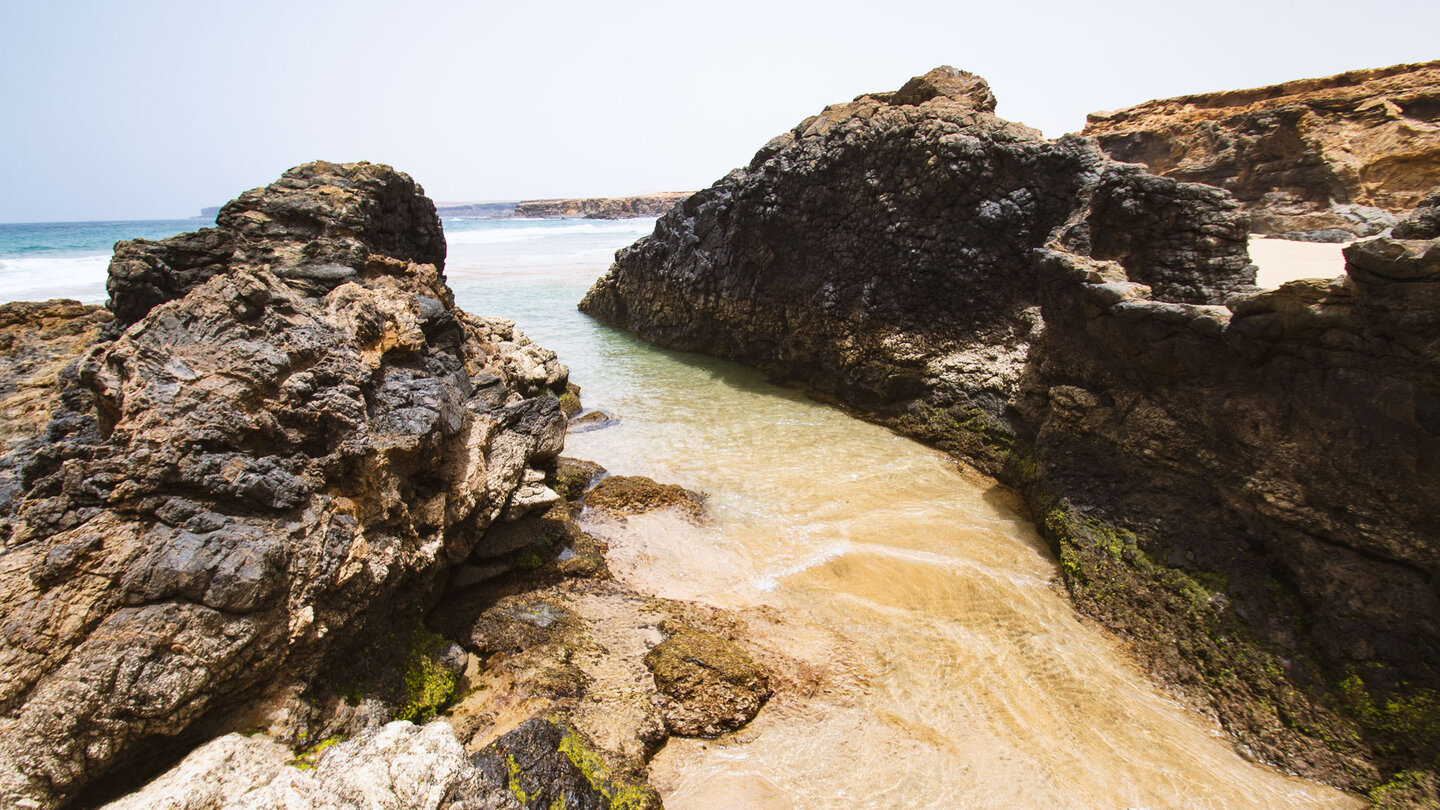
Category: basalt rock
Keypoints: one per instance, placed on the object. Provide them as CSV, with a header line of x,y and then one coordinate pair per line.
x,y
293,439
1242,483
316,226
1348,152
884,253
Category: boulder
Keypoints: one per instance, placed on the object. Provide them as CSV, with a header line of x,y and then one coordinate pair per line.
x,y
710,685
623,495
885,253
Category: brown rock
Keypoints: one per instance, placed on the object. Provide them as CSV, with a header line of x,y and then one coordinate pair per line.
x,y
646,205
278,460
635,494
1342,152
710,685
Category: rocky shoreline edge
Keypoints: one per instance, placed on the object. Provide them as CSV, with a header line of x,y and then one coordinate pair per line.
x,y
282,524
1240,483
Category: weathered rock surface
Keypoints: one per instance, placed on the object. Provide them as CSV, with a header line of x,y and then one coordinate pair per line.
x,y
884,253
1348,152
293,438
399,766
710,685
1243,483
38,341
645,205
622,495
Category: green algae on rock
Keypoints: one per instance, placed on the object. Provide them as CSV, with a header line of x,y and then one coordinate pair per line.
x,y
711,686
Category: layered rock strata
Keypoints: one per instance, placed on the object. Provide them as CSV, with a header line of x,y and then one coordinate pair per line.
x,y
1344,153
290,437
645,205
1243,483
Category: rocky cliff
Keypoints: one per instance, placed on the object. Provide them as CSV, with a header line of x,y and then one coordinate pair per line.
x,y
288,437
884,253
647,205
1345,153
1242,483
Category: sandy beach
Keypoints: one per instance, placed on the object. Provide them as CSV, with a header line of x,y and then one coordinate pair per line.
x,y
1281,260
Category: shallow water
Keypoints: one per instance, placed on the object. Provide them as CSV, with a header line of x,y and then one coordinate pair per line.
x,y
946,667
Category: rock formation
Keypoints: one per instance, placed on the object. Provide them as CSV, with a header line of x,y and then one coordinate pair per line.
x,y
884,253
1344,153
1243,483
291,437
646,205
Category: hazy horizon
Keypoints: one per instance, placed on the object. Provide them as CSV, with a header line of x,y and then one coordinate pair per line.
x,y
155,110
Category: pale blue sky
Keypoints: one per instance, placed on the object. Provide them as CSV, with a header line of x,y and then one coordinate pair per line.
x,y
128,110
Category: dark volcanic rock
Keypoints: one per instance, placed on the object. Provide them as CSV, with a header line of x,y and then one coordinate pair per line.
x,y
1345,152
314,226
884,253
1243,483
293,440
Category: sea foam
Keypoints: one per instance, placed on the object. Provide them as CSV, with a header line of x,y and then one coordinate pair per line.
x,y
39,278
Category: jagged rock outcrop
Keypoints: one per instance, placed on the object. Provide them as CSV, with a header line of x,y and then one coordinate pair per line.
x,y
884,253
1344,153
1250,494
292,436
645,205
316,226
1242,483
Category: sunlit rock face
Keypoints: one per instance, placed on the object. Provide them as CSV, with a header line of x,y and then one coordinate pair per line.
x,y
1326,159
290,437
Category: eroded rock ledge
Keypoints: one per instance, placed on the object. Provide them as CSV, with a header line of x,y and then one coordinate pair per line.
x,y
1243,483
1343,154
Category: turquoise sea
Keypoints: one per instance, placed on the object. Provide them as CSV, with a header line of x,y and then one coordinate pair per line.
x,y
46,260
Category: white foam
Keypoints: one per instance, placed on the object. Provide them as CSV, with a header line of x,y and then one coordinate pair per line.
x,y
766,582
501,234
39,278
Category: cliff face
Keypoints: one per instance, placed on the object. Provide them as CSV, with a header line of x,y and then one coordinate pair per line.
x,y
884,253
1247,491
292,439
1346,152
647,205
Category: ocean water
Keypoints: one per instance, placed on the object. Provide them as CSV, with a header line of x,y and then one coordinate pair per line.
x,y
943,666
44,260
